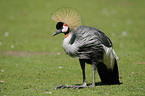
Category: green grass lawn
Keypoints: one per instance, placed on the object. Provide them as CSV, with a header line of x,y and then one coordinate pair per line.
x,y
32,62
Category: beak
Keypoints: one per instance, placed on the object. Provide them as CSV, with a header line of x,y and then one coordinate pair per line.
x,y
57,32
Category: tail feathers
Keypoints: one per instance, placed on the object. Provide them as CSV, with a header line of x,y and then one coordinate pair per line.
x,y
115,55
108,76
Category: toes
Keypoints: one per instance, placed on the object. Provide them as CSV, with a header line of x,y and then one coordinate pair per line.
x,y
93,85
84,84
60,87
71,86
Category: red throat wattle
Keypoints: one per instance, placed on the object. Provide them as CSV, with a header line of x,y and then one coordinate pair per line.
x,y
66,35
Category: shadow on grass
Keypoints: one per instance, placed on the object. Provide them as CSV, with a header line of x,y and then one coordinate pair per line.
x,y
80,86
101,84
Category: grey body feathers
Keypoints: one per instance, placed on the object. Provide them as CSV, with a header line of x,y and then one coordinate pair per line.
x,y
89,40
92,46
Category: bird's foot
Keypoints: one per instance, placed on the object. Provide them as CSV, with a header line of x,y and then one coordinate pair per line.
x,y
93,85
80,86
60,87
84,84
71,86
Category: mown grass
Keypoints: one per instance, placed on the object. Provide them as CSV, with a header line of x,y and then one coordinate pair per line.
x,y
25,26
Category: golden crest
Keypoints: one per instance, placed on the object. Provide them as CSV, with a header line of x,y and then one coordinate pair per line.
x,y
68,16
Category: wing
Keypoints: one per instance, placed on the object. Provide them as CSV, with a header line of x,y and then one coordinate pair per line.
x,y
89,35
89,41
104,39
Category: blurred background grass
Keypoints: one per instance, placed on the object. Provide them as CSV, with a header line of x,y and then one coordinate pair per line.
x,y
31,59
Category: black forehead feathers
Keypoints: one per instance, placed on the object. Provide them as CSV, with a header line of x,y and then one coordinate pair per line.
x,y
59,25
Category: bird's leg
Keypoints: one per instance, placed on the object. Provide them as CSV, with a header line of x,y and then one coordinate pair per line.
x,y
82,63
94,69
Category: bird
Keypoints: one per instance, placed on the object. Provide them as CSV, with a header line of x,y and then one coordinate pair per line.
x,y
88,44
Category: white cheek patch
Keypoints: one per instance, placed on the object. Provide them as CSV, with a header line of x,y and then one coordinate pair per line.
x,y
65,29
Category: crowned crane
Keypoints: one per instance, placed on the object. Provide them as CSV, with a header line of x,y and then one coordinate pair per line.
x,y
89,44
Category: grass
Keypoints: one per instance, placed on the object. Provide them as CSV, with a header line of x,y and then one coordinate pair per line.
x,y
32,62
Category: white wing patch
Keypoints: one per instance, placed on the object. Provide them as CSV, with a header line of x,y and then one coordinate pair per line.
x,y
109,56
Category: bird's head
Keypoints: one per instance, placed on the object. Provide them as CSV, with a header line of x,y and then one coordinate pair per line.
x,y
61,28
68,20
